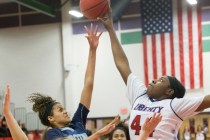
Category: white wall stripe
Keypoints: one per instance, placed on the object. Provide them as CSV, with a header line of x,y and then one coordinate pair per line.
x,y
206,38
205,7
205,22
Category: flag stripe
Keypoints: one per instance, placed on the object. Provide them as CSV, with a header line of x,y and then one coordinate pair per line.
x,y
176,40
163,53
190,38
145,59
159,56
185,44
167,54
149,59
154,57
195,47
200,45
180,36
172,54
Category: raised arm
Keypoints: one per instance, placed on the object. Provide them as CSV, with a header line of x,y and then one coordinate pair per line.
x,y
93,39
205,103
120,58
15,130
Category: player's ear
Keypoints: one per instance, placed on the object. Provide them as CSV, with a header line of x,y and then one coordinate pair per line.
x,y
170,92
50,118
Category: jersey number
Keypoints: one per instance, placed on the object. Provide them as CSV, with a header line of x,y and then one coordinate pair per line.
x,y
135,125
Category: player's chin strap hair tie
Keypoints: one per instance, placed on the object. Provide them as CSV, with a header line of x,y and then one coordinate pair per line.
x,y
179,90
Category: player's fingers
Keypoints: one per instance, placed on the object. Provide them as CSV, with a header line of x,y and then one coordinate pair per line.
x,y
96,30
86,29
8,93
153,117
100,34
91,28
147,120
111,127
158,116
110,11
115,120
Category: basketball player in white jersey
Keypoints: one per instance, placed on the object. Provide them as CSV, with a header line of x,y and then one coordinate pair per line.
x,y
164,95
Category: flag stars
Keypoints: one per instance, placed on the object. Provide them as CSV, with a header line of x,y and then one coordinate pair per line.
x,y
156,16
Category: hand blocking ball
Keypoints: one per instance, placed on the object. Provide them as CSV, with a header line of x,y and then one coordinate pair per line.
x,y
92,9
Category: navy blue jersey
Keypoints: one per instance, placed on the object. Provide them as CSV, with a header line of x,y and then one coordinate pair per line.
x,y
75,130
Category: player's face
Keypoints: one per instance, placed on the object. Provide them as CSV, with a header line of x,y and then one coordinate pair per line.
x,y
157,89
119,135
60,117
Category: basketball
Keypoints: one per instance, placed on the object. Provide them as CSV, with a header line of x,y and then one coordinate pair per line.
x,y
92,9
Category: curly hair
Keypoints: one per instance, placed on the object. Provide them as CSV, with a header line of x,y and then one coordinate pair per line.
x,y
43,105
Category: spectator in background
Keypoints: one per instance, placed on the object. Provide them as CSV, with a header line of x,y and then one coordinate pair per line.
x,y
36,135
4,130
0,119
187,134
19,123
120,132
200,133
88,132
205,130
23,127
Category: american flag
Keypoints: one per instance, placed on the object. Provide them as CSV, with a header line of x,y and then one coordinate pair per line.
x,y
172,41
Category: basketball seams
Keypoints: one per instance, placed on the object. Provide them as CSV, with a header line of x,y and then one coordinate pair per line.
x,y
94,6
102,11
93,9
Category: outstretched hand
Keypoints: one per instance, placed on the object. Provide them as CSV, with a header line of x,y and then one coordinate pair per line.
x,y
93,36
149,125
6,105
105,130
109,127
107,21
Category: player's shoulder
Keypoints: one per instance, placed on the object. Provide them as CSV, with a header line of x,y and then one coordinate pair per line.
x,y
53,131
53,134
165,101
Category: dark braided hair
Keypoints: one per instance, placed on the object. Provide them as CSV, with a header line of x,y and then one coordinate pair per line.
x,y
176,85
43,105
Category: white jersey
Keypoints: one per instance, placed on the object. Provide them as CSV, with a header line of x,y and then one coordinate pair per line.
x,y
173,111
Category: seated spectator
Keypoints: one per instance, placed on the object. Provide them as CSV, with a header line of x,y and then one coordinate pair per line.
x,y
200,133
36,135
23,127
0,119
187,134
4,130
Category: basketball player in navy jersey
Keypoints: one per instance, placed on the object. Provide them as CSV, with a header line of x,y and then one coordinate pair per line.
x,y
18,134
57,117
54,115
163,95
